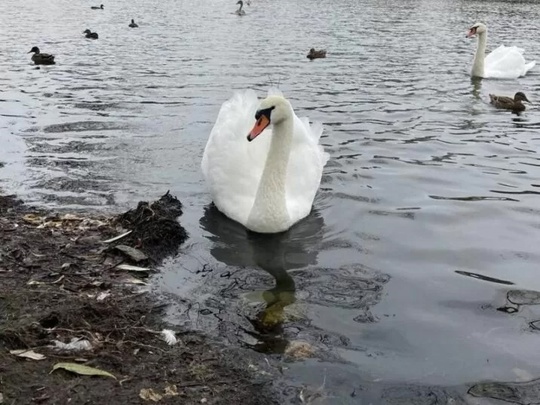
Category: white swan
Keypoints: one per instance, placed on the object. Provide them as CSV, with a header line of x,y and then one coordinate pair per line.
x,y
269,184
503,63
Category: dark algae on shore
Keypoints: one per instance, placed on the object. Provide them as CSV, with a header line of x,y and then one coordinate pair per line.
x,y
66,297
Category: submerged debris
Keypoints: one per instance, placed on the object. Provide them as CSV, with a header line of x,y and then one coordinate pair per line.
x,y
155,228
59,283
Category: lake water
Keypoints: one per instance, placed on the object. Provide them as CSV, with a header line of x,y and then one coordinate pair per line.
x,y
428,212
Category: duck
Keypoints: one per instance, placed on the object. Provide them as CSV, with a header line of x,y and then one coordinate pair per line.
x,y
240,11
267,180
133,25
505,62
508,103
100,7
41,58
90,34
313,54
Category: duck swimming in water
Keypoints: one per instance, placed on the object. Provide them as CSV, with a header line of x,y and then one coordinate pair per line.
x,y
90,34
508,103
133,25
240,11
313,54
97,8
41,58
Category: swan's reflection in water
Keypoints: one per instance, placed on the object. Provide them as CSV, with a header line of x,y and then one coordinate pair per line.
x,y
275,253
476,87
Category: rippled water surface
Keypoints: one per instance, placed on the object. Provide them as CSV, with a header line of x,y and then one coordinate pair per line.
x,y
428,212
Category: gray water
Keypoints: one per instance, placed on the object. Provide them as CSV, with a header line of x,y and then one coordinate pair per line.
x,y
428,209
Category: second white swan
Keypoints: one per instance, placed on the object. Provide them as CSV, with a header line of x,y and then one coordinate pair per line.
x,y
505,62
268,181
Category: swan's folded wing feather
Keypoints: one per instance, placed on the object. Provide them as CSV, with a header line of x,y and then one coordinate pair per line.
x,y
231,165
305,168
505,62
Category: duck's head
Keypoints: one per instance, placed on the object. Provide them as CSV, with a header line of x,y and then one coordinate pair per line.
x,y
240,2
312,51
272,110
132,21
520,96
101,6
34,49
476,29
87,31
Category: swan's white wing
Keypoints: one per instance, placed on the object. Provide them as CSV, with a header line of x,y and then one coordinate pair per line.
x,y
231,165
305,168
506,62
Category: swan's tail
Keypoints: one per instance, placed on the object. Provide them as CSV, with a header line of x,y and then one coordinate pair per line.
x,y
529,66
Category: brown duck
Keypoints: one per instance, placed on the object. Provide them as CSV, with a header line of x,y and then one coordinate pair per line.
x,y
41,58
509,103
313,54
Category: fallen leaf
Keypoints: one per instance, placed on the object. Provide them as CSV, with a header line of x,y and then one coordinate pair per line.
x,y
170,391
133,280
29,354
34,282
102,295
82,370
129,267
117,237
300,350
134,254
148,394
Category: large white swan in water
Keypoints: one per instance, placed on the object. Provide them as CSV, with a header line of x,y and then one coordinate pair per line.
x,y
505,62
268,181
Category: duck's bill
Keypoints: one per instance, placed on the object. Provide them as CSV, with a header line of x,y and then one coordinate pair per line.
x,y
471,33
258,128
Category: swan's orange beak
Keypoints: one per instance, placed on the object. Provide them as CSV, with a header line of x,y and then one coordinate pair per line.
x,y
471,33
259,126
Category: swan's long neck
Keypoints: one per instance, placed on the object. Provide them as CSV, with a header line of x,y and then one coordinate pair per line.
x,y
269,212
478,64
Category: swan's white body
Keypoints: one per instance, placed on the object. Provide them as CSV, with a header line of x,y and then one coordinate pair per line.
x,y
505,62
268,184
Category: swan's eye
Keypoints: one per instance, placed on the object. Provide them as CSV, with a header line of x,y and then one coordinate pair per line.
x,y
266,112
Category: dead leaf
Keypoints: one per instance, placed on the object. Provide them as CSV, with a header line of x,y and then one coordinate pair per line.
x,y
117,237
29,354
148,394
170,391
102,295
134,254
129,267
82,370
133,280
300,350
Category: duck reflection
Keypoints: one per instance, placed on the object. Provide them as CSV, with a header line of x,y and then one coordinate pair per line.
x,y
234,245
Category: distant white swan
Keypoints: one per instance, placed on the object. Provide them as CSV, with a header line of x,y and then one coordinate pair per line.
x,y
240,11
269,184
505,62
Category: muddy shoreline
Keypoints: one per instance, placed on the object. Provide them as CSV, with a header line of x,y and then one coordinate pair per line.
x,y
68,294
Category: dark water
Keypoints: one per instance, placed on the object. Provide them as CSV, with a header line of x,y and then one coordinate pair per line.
x,y
428,212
